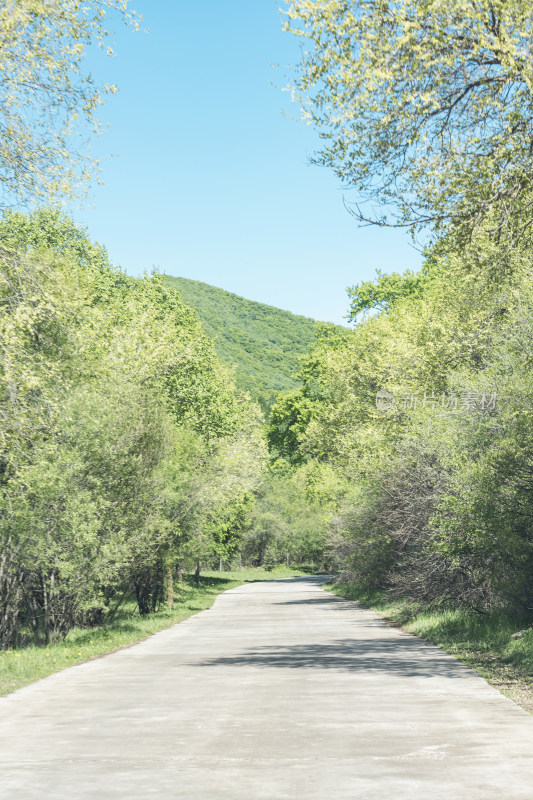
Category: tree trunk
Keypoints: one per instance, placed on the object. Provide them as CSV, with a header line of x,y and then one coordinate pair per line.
x,y
197,573
220,564
46,609
170,586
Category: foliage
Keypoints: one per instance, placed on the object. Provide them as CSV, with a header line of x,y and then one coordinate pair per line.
x,y
431,497
289,417
215,510
121,434
48,99
293,411
263,344
382,293
424,108
288,524
423,412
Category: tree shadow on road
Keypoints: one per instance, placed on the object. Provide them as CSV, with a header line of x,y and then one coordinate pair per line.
x,y
328,600
409,657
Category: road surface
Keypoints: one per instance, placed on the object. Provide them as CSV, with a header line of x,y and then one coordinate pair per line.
x,y
281,690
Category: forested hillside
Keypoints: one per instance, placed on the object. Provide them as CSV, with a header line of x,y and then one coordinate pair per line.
x,y
262,343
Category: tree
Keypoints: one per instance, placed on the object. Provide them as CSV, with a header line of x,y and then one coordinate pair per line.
x,y
425,107
47,100
431,496
384,291
287,525
289,417
121,435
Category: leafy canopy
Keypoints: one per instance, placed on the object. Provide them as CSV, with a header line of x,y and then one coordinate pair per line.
x,y
382,293
46,96
125,450
425,107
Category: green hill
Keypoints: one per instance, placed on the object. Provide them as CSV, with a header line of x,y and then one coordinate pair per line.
x,y
261,342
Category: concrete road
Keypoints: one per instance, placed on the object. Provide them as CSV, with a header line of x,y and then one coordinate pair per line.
x,y
281,690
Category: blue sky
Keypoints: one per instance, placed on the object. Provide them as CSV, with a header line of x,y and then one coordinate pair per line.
x,y
209,180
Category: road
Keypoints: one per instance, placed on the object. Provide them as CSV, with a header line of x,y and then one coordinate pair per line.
x,y
281,690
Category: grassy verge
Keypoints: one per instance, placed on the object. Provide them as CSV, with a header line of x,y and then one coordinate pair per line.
x,y
25,665
482,641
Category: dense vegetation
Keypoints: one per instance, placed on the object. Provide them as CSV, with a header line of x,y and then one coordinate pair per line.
x,y
402,453
419,424
127,453
416,426
262,343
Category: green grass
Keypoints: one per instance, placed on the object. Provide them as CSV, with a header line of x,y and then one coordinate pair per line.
x,y
482,641
28,664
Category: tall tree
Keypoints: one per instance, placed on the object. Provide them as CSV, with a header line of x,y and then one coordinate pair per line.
x,y
425,107
47,98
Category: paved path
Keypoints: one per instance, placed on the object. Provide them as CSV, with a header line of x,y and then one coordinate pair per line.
x,y
280,690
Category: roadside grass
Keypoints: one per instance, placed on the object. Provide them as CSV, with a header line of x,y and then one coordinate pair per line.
x,y
482,641
27,664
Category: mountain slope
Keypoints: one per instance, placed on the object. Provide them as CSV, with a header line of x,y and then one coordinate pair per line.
x,y
261,342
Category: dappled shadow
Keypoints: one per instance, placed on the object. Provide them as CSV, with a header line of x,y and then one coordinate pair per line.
x,y
326,600
206,582
218,581
315,580
312,571
409,657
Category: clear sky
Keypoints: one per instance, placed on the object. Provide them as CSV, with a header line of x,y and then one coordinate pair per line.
x,y
210,180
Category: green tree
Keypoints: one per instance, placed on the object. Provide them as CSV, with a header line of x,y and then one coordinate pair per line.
x,y
289,417
384,291
121,435
425,107
288,525
48,100
428,497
